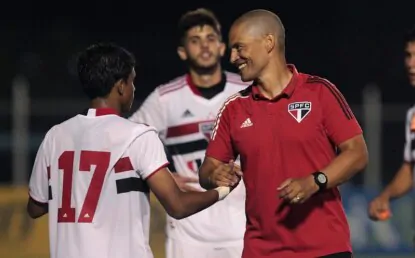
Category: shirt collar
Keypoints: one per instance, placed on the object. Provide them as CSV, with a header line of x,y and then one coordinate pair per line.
x,y
287,92
93,112
196,90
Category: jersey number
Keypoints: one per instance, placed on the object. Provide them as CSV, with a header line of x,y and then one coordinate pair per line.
x,y
101,160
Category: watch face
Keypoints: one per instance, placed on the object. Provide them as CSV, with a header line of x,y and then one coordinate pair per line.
x,y
322,178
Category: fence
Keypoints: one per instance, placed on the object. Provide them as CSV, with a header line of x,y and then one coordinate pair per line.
x,y
386,239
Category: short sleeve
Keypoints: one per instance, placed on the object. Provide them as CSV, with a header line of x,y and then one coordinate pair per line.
x,y
220,145
151,112
147,152
39,179
338,119
410,119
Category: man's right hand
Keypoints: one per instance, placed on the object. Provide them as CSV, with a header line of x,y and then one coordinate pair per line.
x,y
227,174
182,182
379,206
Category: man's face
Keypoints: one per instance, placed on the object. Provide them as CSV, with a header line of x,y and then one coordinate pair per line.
x,y
202,48
128,96
410,61
248,53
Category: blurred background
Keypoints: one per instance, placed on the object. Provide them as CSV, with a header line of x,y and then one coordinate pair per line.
x,y
358,45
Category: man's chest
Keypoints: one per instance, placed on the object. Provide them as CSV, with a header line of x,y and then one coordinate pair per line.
x,y
273,126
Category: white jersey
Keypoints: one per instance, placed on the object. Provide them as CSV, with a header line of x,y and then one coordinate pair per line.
x,y
185,121
409,150
91,171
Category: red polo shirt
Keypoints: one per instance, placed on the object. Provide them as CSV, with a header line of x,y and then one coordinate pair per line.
x,y
290,136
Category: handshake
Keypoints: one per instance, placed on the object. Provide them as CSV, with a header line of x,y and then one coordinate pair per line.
x,y
226,174
225,177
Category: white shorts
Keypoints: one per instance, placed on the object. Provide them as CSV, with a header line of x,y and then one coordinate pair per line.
x,y
178,249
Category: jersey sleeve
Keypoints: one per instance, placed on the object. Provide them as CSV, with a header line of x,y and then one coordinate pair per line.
x,y
220,145
39,179
151,112
408,146
148,154
338,119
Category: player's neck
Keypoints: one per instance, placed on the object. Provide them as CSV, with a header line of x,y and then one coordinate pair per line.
x,y
206,80
274,79
105,103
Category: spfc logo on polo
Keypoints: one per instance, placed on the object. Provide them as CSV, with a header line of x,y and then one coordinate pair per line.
x,y
299,110
206,128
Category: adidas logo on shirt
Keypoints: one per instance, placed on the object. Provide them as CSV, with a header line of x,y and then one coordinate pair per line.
x,y
247,123
187,113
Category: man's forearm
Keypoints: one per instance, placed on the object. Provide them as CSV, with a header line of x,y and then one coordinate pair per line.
x,y
345,166
205,172
401,183
36,209
193,202
204,179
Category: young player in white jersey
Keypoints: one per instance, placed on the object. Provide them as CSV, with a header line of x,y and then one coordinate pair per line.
x,y
404,179
184,111
93,172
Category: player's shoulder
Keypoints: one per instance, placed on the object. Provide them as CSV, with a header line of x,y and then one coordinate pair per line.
x,y
314,81
235,79
236,99
121,122
319,85
172,86
58,130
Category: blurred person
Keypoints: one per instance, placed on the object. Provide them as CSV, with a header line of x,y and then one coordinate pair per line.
x,y
93,172
403,181
184,110
286,127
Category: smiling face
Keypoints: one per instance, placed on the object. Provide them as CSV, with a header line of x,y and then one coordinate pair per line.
x,y
248,52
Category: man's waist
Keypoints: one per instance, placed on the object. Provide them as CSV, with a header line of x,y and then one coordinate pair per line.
x,y
205,239
210,230
295,247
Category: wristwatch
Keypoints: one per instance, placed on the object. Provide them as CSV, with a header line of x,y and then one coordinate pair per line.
x,y
321,180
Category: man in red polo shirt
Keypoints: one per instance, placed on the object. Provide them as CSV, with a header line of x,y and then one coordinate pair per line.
x,y
287,129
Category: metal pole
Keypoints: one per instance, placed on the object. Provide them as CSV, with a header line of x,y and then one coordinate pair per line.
x,y
20,131
372,120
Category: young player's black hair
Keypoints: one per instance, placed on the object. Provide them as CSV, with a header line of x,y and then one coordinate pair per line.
x,y
101,65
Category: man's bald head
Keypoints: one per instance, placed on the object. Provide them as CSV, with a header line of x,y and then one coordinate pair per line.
x,y
262,23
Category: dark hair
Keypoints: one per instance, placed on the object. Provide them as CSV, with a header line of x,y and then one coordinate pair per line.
x,y
198,17
410,35
101,65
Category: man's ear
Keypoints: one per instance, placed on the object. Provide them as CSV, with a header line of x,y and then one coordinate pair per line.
x,y
222,49
270,42
182,53
120,86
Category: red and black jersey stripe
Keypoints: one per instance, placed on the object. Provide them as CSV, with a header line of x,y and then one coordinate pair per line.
x,y
336,93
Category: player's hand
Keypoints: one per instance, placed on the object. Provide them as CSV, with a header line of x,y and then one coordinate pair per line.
x,y
379,208
228,174
182,182
297,190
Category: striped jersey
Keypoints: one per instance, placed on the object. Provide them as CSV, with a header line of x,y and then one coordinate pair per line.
x,y
185,121
91,170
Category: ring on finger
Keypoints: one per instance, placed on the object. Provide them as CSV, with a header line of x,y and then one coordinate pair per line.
x,y
297,198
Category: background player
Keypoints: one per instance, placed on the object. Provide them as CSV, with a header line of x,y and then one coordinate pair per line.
x,y
93,172
184,110
403,180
